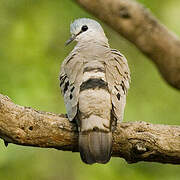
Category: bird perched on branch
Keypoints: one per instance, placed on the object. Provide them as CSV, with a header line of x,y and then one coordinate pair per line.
x,y
94,80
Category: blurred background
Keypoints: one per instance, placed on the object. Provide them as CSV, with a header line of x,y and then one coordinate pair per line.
x,y
32,37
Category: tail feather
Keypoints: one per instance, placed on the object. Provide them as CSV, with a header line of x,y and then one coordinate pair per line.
x,y
95,146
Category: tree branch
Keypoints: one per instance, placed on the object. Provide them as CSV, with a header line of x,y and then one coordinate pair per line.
x,y
136,24
137,141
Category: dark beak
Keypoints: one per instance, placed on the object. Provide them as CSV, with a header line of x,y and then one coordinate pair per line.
x,y
70,40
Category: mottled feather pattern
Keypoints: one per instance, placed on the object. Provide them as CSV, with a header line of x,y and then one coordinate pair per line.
x,y
118,78
94,81
72,70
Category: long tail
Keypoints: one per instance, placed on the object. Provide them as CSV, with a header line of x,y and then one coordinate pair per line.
x,y
95,146
95,136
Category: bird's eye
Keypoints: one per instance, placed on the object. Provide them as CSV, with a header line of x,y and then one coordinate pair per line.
x,y
84,28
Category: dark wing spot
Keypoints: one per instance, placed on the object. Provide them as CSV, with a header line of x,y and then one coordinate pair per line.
x,y
66,86
118,96
72,89
93,83
116,88
123,87
62,79
71,96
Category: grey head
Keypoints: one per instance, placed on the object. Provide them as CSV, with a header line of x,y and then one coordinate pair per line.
x,y
85,29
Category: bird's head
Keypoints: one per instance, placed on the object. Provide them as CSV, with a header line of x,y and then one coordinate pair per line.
x,y
85,29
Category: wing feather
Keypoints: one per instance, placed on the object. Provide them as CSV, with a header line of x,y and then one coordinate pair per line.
x,y
118,78
71,78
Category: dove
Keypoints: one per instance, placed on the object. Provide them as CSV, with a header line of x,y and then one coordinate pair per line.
x,y
94,80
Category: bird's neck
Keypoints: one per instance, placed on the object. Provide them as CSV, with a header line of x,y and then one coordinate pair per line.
x,y
93,47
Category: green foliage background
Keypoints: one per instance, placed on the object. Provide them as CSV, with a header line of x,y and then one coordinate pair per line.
x,y
32,36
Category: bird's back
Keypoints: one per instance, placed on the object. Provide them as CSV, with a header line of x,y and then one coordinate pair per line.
x,y
95,137
94,82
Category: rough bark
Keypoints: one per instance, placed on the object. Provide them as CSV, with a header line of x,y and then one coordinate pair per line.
x,y
139,26
136,141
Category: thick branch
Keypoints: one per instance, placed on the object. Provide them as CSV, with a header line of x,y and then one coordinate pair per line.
x,y
135,23
137,141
